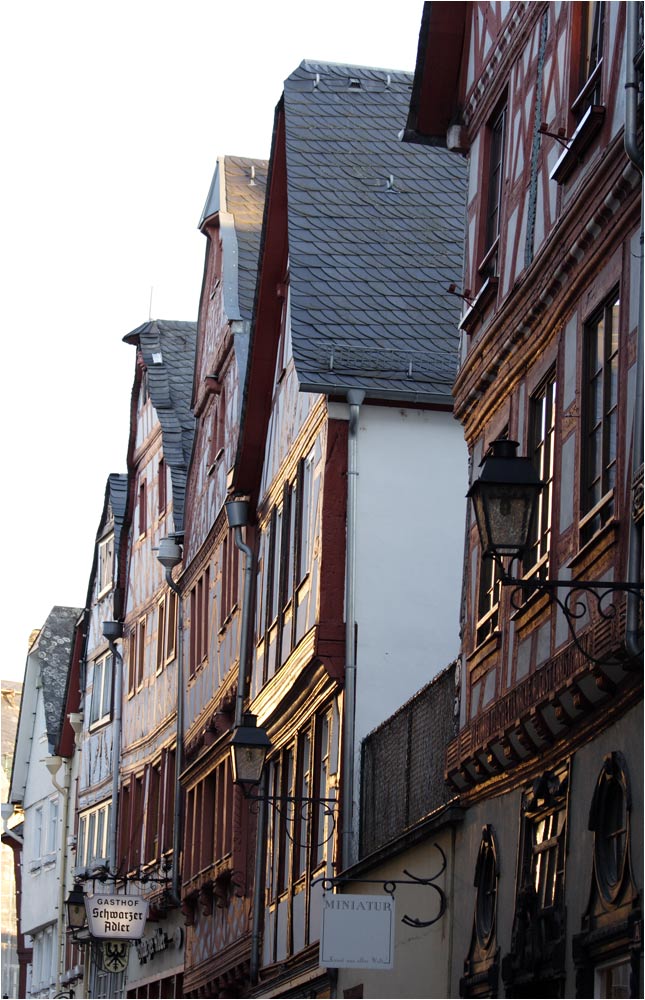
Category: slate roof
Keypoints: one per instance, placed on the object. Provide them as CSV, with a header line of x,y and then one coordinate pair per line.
x,y
376,231
116,493
53,651
239,189
168,351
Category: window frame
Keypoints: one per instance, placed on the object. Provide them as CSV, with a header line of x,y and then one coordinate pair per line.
x,y
105,564
101,704
600,371
495,138
541,451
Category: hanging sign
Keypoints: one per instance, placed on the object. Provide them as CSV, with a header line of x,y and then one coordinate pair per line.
x,y
116,917
357,932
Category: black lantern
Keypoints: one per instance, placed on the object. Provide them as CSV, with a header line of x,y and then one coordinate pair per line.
x,y
75,903
249,747
505,497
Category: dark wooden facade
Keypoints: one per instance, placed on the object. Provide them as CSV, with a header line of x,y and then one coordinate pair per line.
x,y
550,334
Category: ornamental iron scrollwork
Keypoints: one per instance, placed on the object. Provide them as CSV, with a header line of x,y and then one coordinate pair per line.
x,y
583,598
390,885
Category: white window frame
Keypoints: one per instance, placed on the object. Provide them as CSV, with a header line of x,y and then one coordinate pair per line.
x,y
105,564
93,835
101,700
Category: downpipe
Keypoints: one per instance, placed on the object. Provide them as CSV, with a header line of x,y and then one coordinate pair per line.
x,y
354,399
237,512
179,750
53,764
117,659
633,637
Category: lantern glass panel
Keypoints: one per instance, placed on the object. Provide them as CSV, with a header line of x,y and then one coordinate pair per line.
x,y
247,763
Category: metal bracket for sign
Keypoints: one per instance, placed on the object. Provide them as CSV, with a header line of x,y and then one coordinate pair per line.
x,y
390,885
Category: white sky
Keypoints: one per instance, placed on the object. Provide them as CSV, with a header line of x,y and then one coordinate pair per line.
x,y
112,118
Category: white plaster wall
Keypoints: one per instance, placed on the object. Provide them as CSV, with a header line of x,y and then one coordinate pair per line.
x,y
411,502
40,880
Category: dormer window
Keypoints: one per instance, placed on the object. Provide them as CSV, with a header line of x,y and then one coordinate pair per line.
x,y
105,570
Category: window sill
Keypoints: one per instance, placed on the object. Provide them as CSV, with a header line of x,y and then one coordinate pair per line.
x,y
593,551
589,126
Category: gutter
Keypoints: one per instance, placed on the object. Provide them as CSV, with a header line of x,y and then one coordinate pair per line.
x,y
354,399
633,636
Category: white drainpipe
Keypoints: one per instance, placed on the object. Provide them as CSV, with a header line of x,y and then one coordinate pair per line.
x,y
354,399
53,765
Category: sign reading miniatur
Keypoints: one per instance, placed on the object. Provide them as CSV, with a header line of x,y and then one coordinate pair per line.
x,y
357,932
116,918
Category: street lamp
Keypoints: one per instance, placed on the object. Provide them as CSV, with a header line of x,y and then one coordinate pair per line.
x,y
504,499
249,747
76,914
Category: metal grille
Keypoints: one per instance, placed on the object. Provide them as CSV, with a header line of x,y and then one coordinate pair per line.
x,y
402,766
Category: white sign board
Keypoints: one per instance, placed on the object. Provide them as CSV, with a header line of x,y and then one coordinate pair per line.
x,y
357,932
116,918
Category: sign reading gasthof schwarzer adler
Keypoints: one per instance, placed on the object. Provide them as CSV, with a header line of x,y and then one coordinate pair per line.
x,y
357,932
117,918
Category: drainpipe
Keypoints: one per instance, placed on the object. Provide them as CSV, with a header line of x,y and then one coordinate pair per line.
x,y
633,639
354,399
237,512
113,630
53,765
169,555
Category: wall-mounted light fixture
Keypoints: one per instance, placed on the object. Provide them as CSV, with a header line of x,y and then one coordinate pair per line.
x,y
250,745
504,499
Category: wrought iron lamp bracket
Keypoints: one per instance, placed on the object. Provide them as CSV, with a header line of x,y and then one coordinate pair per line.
x,y
390,885
575,604
294,808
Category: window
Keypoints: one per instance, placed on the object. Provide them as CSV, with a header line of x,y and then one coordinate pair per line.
x,y
208,835
230,576
162,486
136,656
37,840
299,833
105,563
93,835
52,826
592,31
166,629
481,968
541,452
488,599
286,548
161,634
101,704
142,508
496,140
141,650
152,815
538,935
600,417
199,622
614,980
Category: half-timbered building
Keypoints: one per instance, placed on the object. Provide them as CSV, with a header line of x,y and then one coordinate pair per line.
x,y
159,448
95,748
216,875
545,102
354,470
